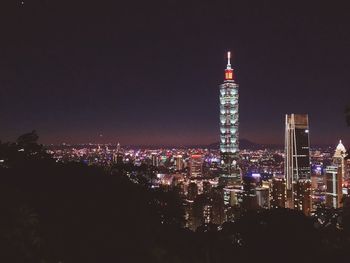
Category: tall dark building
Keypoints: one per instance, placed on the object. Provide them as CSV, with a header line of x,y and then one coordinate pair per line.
x,y
229,148
297,160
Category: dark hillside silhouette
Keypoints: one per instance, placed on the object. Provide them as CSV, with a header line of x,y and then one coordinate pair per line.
x,y
54,212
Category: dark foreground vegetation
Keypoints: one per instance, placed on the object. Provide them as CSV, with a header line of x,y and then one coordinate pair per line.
x,y
52,212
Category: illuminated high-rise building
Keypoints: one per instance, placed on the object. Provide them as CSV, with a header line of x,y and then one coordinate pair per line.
x,y
297,161
334,186
196,165
302,196
229,148
155,159
179,163
335,176
277,194
339,160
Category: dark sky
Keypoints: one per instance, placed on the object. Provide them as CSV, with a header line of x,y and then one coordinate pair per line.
x,y
147,72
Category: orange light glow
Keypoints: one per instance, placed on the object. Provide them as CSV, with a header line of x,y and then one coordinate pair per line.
x,y
228,74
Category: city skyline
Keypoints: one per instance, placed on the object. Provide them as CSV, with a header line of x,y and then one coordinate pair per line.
x,y
136,80
174,131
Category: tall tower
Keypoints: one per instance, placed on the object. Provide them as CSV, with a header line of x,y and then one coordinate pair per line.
x,y
297,162
229,148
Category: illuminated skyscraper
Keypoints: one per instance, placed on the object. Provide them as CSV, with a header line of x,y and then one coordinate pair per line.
x,y
229,148
297,161
339,160
297,152
335,176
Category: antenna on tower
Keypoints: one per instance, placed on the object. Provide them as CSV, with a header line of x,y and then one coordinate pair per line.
x,y
228,59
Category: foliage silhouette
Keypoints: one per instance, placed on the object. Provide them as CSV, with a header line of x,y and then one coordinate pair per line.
x,y
54,212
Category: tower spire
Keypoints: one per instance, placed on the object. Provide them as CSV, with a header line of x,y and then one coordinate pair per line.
x,y
228,60
229,71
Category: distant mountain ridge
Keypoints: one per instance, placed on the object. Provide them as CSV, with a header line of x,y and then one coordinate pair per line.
x,y
243,144
247,144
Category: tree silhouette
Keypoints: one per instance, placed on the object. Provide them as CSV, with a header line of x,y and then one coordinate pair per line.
x,y
84,213
72,212
19,228
24,152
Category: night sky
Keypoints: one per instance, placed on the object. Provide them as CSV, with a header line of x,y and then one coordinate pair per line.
x,y
147,72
